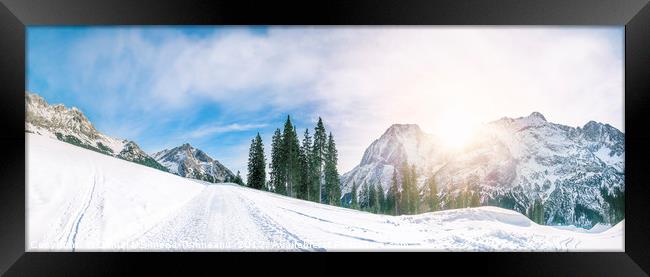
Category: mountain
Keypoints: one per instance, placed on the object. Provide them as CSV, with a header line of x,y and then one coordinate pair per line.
x,y
190,162
576,173
400,143
79,200
72,126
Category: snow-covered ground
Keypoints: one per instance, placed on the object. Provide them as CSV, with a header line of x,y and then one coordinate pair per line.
x,y
84,201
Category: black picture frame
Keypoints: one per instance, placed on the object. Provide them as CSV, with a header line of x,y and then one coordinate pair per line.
x,y
16,14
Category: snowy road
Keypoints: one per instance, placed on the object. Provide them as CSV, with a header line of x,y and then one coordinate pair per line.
x,y
219,218
79,200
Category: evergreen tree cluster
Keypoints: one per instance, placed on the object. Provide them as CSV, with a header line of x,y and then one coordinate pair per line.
x,y
616,201
404,197
467,196
536,212
410,194
371,198
393,196
304,169
432,201
235,179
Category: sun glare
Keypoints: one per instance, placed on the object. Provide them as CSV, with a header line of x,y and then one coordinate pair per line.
x,y
455,131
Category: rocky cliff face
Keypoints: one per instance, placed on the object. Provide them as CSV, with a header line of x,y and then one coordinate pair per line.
x,y
577,173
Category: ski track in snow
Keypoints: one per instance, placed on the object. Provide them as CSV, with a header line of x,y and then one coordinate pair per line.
x,y
81,215
129,207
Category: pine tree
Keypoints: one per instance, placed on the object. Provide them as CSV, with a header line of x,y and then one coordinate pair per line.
x,y
256,164
403,201
415,195
473,191
332,181
277,165
475,199
461,200
450,201
319,150
306,167
392,196
615,199
290,149
381,199
354,202
372,198
238,180
536,212
410,199
432,195
363,197
540,215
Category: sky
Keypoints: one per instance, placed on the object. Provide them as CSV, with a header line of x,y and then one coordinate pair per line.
x,y
215,87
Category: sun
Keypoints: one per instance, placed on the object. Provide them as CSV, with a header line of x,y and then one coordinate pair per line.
x,y
455,130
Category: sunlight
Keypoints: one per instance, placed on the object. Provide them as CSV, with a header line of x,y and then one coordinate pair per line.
x,y
455,130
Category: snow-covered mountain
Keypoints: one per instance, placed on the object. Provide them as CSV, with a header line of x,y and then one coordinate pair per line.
x,y
577,173
400,143
72,126
79,200
191,162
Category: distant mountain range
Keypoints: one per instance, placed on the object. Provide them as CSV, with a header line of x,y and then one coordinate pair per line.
x,y
72,126
190,162
577,173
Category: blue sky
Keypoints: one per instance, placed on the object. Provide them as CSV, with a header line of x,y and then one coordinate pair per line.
x,y
215,87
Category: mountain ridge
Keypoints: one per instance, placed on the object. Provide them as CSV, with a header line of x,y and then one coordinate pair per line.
x,y
72,126
578,173
188,161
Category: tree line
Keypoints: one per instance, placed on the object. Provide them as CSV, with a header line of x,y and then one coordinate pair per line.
x,y
404,197
304,169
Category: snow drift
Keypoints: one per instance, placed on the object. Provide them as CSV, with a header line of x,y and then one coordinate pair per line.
x,y
80,200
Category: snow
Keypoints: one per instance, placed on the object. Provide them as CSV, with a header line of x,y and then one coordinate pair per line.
x,y
80,200
615,161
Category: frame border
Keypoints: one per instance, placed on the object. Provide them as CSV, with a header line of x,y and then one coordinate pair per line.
x,y
15,15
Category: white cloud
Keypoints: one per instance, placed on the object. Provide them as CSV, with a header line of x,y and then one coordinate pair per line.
x,y
217,129
361,80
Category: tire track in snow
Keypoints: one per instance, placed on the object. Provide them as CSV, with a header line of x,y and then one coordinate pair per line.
x,y
389,243
187,225
274,231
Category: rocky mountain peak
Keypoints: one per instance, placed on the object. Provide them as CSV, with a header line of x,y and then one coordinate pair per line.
x,y
596,130
188,161
402,129
57,119
537,115
390,146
